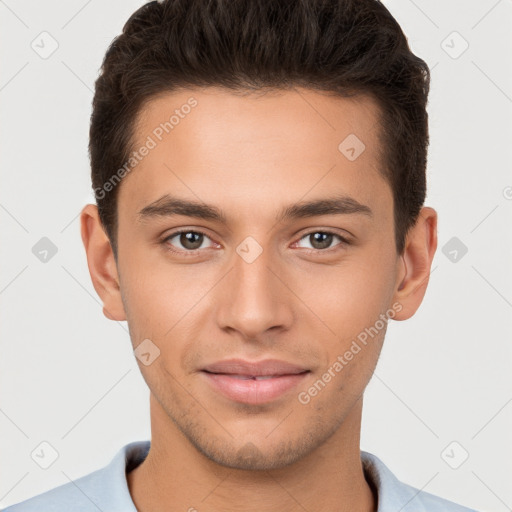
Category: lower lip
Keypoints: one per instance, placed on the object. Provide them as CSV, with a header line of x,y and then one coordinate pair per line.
x,y
251,391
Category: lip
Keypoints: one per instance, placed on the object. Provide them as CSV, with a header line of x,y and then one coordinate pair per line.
x,y
255,368
236,379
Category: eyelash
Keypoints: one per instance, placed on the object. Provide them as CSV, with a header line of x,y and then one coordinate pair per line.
x,y
343,241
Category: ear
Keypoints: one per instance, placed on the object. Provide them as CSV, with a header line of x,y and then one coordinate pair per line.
x,y
101,263
415,263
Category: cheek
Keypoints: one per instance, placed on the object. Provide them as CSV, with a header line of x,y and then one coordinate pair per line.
x,y
347,297
350,302
162,300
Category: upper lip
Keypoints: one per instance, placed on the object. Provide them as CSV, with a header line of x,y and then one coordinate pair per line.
x,y
255,368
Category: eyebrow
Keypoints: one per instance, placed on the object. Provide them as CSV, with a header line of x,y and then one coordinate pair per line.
x,y
167,206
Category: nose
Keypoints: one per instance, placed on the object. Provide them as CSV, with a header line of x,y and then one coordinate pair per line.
x,y
253,300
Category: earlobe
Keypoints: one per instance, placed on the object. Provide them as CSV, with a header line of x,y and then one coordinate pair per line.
x,y
420,247
101,263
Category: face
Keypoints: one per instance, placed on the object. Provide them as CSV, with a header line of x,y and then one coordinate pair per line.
x,y
252,272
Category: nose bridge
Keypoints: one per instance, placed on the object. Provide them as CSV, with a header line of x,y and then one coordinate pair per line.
x,y
253,299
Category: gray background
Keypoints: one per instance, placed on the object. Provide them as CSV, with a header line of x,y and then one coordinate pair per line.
x,y
68,375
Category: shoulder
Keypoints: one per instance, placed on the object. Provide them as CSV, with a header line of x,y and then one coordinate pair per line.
x,y
103,489
74,495
395,495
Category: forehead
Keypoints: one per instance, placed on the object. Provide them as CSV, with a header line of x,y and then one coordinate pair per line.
x,y
280,145
305,113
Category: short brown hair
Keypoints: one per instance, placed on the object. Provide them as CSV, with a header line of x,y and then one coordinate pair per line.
x,y
345,47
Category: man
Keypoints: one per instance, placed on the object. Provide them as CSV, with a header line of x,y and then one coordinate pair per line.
x,y
259,170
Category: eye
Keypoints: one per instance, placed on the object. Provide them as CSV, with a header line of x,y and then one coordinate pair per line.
x,y
189,240
320,240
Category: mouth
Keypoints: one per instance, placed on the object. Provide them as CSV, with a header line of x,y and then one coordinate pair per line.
x,y
248,377
264,368
253,383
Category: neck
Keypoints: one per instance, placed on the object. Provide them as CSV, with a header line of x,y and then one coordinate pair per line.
x,y
175,476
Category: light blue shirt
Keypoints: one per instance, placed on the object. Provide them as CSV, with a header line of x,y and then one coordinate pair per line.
x,y
106,489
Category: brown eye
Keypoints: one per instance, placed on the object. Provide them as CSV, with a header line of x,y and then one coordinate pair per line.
x,y
320,240
186,240
191,240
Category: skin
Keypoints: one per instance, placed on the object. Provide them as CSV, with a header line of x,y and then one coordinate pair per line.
x,y
251,156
